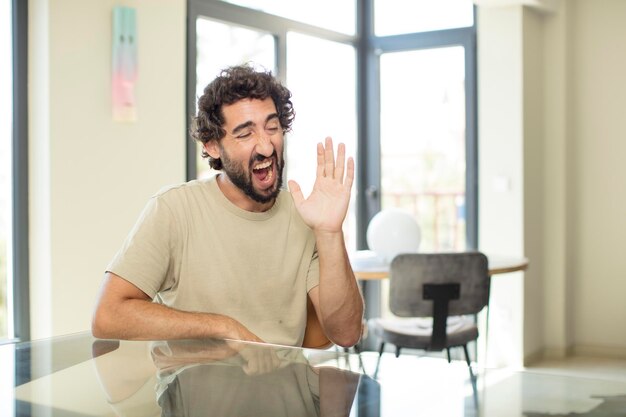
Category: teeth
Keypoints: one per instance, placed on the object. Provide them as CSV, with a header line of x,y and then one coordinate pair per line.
x,y
263,165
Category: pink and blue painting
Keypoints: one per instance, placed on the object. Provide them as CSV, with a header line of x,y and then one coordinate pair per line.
x,y
124,60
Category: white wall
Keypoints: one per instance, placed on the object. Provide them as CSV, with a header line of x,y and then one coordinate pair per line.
x,y
535,163
568,109
555,323
500,145
89,176
598,175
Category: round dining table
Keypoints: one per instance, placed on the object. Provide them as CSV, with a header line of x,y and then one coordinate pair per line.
x,y
367,266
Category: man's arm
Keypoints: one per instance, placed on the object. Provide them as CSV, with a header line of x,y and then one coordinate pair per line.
x,y
123,311
337,299
314,335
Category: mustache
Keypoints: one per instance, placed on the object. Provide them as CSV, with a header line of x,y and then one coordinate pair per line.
x,y
259,157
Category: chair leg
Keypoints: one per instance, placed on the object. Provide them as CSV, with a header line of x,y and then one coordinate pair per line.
x,y
380,354
398,351
467,358
448,352
469,364
357,350
472,376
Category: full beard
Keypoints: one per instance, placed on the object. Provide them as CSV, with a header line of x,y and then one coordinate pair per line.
x,y
243,180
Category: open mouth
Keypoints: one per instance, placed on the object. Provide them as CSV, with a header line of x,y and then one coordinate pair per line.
x,y
264,171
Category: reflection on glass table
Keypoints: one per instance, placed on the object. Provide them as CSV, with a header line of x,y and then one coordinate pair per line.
x,y
82,376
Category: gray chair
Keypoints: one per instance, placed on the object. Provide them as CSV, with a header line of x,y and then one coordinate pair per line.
x,y
442,286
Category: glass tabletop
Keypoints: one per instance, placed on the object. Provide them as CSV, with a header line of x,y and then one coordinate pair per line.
x,y
78,375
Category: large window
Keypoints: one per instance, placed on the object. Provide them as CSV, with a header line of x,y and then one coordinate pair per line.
x,y
422,142
422,73
393,79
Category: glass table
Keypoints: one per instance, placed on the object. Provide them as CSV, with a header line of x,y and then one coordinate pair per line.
x,y
78,375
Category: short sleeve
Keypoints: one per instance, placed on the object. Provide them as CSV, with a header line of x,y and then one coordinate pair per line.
x,y
145,258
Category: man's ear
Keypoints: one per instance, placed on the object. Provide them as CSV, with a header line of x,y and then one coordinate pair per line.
x,y
212,148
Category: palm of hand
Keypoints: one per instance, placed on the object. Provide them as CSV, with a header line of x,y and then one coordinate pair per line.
x,y
325,209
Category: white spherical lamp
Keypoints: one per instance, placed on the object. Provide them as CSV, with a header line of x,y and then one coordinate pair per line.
x,y
391,232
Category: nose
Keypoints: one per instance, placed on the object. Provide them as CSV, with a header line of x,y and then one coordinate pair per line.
x,y
264,146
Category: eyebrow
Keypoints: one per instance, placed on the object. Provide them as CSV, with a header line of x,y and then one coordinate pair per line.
x,y
249,123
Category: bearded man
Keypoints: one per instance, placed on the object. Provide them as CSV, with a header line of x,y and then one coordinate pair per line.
x,y
236,256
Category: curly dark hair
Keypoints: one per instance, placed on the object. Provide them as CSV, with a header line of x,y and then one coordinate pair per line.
x,y
231,85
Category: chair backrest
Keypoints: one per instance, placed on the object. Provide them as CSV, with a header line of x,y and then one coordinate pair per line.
x,y
409,272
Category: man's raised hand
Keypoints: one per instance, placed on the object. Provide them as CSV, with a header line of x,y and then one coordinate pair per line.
x,y
325,209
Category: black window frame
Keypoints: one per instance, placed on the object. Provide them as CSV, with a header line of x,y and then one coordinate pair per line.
x,y
370,47
20,276
378,45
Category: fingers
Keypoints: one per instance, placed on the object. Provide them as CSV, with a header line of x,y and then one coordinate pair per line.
x,y
260,361
329,156
341,160
349,174
326,166
320,160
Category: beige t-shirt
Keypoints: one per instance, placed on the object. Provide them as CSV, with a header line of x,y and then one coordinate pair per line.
x,y
221,389
193,250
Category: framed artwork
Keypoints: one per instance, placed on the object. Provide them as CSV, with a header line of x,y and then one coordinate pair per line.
x,y
124,64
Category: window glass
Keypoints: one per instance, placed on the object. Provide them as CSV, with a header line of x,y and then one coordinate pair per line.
x,y
6,188
220,45
337,15
321,75
394,17
423,142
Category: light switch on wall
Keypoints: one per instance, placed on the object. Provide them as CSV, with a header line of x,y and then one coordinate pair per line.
x,y
501,184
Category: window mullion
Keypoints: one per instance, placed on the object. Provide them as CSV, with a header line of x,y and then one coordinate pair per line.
x,y
20,272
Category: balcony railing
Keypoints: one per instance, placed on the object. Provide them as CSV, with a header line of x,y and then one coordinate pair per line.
x,y
440,214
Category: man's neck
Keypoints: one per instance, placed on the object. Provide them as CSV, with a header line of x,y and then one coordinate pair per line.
x,y
236,196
